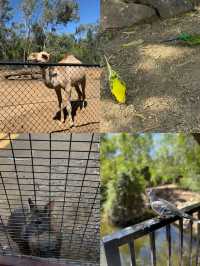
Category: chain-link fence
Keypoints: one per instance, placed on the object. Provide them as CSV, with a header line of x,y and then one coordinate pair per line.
x,y
30,94
59,173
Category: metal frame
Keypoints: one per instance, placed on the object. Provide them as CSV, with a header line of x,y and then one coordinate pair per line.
x,y
3,63
128,235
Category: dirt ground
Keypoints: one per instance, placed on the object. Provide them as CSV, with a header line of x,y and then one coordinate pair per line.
x,y
81,198
27,105
181,198
162,79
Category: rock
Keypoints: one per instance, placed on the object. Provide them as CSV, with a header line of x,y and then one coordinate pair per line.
x,y
168,8
117,14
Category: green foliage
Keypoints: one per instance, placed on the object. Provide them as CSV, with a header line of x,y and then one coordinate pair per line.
x,y
125,161
5,12
39,31
190,39
124,152
125,203
191,182
132,162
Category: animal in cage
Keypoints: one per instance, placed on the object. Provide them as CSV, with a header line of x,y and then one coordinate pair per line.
x,y
62,79
33,232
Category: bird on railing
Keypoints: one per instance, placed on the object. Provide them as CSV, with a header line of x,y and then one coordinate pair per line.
x,y
166,209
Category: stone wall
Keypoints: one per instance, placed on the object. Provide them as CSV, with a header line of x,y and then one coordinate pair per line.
x,y
126,13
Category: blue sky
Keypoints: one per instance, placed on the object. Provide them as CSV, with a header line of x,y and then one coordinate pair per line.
x,y
89,13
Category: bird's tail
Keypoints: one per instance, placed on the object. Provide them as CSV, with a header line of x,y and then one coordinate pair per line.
x,y
189,217
170,40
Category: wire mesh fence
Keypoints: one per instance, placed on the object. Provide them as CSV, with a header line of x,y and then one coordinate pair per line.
x,y
49,196
30,97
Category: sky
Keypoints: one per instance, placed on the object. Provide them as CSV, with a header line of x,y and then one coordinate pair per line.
x,y
89,13
157,141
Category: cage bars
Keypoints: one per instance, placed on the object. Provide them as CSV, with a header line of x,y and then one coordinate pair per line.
x,y
32,166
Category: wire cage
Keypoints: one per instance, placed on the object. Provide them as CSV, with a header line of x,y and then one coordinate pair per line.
x,y
29,102
58,168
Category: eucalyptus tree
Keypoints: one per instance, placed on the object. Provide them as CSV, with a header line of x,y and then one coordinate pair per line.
x,y
5,16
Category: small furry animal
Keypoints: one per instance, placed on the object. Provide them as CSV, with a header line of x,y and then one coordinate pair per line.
x,y
31,229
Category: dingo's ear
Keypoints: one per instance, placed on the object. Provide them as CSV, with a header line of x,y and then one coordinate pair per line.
x,y
31,204
45,56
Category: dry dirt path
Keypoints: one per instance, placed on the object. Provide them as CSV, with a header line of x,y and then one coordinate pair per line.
x,y
163,80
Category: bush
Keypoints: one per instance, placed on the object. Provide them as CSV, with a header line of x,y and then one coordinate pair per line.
x,y
125,204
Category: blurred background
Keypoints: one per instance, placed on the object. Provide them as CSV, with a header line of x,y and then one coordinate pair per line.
x,y
130,163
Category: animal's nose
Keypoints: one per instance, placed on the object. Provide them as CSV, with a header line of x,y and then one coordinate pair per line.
x,y
38,222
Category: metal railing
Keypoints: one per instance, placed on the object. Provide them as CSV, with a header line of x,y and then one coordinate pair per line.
x,y
59,167
112,243
28,105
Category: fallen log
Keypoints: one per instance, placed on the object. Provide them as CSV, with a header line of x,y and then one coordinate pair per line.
x,y
23,73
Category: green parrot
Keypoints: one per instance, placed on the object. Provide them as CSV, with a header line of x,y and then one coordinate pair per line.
x,y
117,85
186,38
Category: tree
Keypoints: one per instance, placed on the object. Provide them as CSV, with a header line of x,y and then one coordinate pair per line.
x,y
39,30
29,9
5,16
123,157
131,162
125,204
57,12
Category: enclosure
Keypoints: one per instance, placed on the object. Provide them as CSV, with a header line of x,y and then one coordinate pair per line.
x,y
59,167
188,252
28,105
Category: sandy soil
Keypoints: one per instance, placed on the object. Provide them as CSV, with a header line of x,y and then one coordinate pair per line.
x,y
81,200
27,105
163,79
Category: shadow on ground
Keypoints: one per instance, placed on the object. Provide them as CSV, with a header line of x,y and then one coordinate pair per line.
x,y
163,80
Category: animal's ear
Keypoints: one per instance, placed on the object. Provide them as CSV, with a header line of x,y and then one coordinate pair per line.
x,y
31,204
45,56
49,206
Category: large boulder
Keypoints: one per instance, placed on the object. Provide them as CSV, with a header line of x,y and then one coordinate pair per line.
x,y
118,14
167,8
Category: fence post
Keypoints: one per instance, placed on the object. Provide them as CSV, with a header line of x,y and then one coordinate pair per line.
x,y
198,241
153,248
181,242
132,252
112,254
168,236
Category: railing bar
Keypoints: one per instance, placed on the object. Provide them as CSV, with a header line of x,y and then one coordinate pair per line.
x,y
168,237
47,64
53,165
198,240
153,248
190,243
141,229
46,140
32,166
181,242
112,254
132,252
